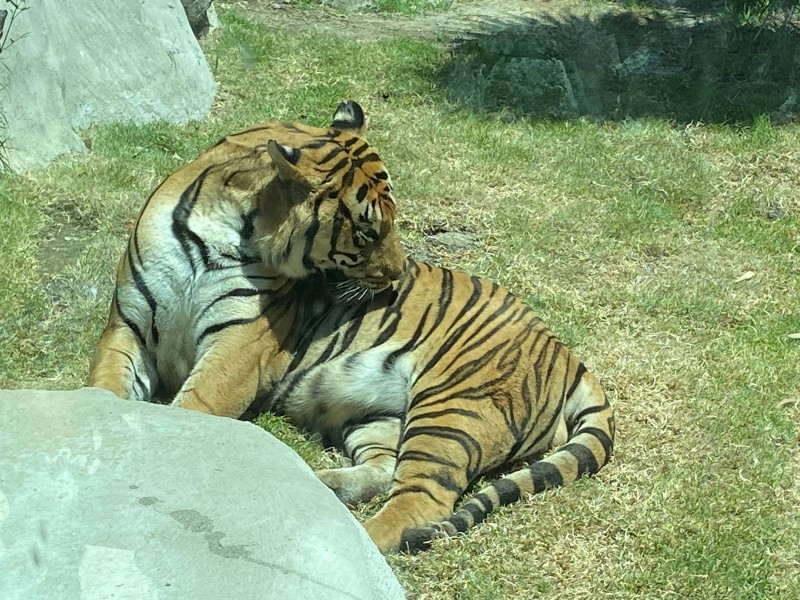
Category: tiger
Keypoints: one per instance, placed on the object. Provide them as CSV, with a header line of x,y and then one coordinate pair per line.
x,y
267,275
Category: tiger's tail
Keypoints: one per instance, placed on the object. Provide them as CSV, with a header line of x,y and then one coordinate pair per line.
x,y
590,419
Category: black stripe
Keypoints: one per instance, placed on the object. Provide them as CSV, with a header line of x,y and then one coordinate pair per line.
x,y
288,250
235,293
539,394
587,463
578,376
545,476
416,489
444,348
445,480
347,178
291,127
459,522
326,354
422,456
318,143
440,413
140,383
135,373
463,373
510,358
181,213
488,319
602,437
334,170
556,415
311,233
579,417
357,319
336,230
488,505
521,426
211,329
475,511
144,291
133,326
470,445
227,181
349,142
357,452
477,286
357,422
369,158
246,131
445,296
507,491
360,150
393,311
249,227
335,151
200,245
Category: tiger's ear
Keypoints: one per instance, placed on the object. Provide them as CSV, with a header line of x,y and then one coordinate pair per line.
x,y
285,159
349,116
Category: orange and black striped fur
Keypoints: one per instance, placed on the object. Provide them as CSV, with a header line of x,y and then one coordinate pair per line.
x,y
267,275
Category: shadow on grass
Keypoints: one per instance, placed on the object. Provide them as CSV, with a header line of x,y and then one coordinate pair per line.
x,y
621,65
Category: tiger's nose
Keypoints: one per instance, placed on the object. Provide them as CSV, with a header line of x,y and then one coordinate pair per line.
x,y
387,274
396,272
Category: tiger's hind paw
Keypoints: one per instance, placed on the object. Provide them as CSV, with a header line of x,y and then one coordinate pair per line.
x,y
419,539
356,485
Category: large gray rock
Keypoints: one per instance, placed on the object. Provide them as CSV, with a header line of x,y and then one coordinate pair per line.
x,y
104,498
202,15
82,62
539,87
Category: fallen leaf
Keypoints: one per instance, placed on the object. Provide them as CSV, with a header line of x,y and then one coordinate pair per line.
x,y
794,336
745,276
787,402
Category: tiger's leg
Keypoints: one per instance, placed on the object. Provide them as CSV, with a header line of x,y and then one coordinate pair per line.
x,y
372,446
435,465
121,364
232,364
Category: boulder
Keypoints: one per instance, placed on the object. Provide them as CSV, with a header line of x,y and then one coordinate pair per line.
x,y
202,16
533,86
78,63
105,498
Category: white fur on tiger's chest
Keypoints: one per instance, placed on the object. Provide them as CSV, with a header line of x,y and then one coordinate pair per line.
x,y
350,387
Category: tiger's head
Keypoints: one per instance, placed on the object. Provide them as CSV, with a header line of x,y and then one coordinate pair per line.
x,y
332,208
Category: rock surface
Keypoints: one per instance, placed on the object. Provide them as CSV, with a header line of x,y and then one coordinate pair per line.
x,y
202,15
78,63
104,498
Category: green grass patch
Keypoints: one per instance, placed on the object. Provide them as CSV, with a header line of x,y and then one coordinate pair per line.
x,y
631,238
405,7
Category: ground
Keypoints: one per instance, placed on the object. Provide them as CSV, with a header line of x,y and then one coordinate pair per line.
x,y
460,20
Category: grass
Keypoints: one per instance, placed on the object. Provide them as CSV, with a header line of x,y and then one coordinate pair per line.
x,y
405,7
630,238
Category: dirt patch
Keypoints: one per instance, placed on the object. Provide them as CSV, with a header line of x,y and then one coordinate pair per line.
x,y
461,21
